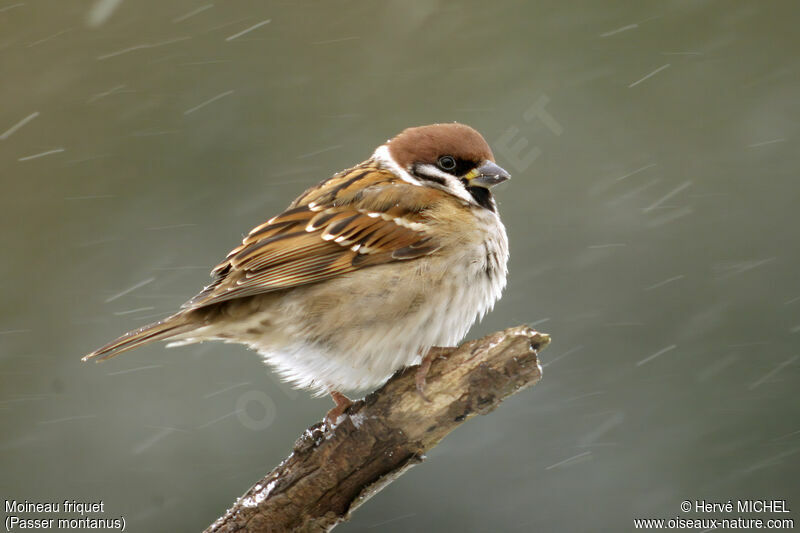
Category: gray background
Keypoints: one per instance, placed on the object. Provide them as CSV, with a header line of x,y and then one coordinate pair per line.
x,y
653,227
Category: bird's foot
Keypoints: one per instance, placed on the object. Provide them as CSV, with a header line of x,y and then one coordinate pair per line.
x,y
425,365
342,403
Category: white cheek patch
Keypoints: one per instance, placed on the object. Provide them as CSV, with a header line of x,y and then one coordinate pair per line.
x,y
383,156
452,184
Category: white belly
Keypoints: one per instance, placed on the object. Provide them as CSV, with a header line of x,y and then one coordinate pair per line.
x,y
368,334
353,332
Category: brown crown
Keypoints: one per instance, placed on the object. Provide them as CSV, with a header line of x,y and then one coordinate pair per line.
x,y
425,144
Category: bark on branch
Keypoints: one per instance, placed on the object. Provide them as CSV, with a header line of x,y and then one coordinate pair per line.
x,y
331,472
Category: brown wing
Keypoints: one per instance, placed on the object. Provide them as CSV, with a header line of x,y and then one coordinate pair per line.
x,y
361,217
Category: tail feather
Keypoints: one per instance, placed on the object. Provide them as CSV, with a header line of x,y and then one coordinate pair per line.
x,y
163,329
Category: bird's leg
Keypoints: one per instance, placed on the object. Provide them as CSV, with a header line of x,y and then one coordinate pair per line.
x,y
425,365
342,403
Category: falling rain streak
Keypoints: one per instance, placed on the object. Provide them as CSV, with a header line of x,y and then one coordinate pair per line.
x,y
652,220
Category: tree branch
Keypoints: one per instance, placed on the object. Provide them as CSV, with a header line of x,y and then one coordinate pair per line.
x,y
331,472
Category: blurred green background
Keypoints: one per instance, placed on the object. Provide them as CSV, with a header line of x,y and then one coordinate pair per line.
x,y
653,220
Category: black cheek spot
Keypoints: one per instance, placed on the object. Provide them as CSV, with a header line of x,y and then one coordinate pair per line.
x,y
425,177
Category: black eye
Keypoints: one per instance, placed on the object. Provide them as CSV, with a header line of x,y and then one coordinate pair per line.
x,y
446,162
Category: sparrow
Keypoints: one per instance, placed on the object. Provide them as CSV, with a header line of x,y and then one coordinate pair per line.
x,y
367,272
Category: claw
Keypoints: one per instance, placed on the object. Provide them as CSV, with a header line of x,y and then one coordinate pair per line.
x,y
425,365
422,371
342,403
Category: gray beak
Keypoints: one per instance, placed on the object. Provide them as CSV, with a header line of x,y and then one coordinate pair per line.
x,y
488,175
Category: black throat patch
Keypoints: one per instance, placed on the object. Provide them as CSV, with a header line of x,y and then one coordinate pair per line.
x,y
483,197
